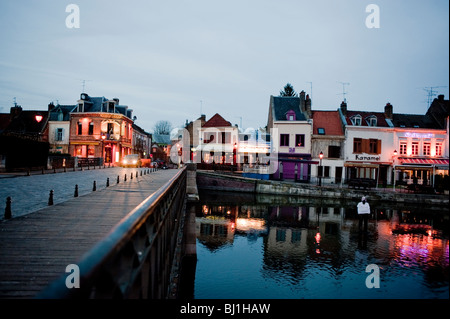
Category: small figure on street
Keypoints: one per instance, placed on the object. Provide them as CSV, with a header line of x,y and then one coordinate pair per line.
x,y
363,213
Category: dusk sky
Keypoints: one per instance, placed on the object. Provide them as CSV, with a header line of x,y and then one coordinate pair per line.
x,y
173,60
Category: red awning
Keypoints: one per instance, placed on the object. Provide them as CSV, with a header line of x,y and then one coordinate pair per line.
x,y
427,161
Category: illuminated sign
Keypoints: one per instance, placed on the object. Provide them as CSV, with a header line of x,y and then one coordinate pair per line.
x,y
419,135
366,158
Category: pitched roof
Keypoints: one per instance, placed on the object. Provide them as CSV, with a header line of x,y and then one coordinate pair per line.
x,y
328,120
413,120
65,110
283,104
381,118
217,121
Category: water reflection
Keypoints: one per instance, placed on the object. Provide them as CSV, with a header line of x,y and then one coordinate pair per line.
x,y
250,248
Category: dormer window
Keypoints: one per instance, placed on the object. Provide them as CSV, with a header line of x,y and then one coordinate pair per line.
x,y
111,107
356,120
290,115
80,107
371,120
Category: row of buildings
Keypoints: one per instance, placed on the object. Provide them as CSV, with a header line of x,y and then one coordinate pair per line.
x,y
94,128
334,146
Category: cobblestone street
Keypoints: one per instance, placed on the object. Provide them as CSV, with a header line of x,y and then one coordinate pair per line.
x,y
31,193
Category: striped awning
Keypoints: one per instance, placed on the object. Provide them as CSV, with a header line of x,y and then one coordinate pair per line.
x,y
425,161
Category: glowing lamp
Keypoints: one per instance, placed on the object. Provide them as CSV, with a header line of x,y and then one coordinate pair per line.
x,y
395,153
38,117
321,155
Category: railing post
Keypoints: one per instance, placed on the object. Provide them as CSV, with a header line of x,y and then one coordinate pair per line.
x,y
76,191
50,198
8,214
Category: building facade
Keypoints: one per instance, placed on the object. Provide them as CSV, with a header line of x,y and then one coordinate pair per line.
x,y
100,128
290,128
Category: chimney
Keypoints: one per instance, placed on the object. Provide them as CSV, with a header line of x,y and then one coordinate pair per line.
x,y
308,106
441,97
302,101
51,106
344,108
15,111
116,100
388,111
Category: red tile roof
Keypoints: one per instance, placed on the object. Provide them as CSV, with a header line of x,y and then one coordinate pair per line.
x,y
217,121
329,120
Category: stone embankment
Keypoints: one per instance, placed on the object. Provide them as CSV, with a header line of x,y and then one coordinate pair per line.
x,y
229,182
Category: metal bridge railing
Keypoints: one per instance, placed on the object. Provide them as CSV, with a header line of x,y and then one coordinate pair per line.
x,y
134,260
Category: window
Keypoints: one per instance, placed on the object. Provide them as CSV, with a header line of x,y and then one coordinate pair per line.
x,y
356,120
373,146
91,128
111,107
91,150
372,121
300,140
284,139
79,128
334,151
438,148
415,148
291,117
80,107
427,148
59,134
357,145
321,131
79,150
403,147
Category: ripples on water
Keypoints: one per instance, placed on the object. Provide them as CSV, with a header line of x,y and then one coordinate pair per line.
x,y
248,249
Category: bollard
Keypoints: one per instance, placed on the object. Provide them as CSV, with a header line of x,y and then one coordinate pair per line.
x,y
117,179
131,176
125,179
50,198
141,173
137,175
107,182
76,191
8,208
94,187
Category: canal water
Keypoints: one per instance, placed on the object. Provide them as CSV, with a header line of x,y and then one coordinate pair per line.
x,y
276,247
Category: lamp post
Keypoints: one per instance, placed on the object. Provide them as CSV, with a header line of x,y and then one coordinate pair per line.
x,y
393,165
320,168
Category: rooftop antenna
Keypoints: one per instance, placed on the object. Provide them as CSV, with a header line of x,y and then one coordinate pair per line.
x,y
240,123
84,85
201,107
15,102
343,90
431,93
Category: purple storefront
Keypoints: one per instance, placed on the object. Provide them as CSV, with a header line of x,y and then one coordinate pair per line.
x,y
295,167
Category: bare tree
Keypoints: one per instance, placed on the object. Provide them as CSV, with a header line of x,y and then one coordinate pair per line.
x,y
162,127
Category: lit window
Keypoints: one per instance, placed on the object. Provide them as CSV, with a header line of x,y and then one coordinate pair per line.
x,y
300,140
438,148
427,148
415,148
403,148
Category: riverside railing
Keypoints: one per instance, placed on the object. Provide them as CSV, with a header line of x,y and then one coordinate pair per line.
x,y
134,261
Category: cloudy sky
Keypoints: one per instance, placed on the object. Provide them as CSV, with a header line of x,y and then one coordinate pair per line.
x,y
173,60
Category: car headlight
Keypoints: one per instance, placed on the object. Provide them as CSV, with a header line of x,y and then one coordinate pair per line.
x,y
134,161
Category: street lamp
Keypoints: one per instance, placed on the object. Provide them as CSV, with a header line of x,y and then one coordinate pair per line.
x,y
393,165
320,168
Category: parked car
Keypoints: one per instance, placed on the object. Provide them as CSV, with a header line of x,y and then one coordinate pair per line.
x,y
131,160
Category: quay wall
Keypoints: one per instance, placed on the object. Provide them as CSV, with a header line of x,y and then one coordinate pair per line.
x,y
228,182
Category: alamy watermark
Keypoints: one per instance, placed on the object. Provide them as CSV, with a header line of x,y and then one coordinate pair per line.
x,y
73,19
373,279
373,19
73,279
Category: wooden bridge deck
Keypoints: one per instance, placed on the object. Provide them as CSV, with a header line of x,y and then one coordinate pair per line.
x,y
36,248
